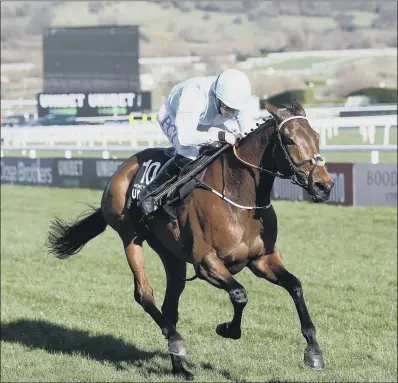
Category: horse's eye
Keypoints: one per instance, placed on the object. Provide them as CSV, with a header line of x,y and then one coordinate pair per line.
x,y
288,141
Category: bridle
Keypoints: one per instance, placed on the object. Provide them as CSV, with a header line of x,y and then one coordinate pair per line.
x,y
317,160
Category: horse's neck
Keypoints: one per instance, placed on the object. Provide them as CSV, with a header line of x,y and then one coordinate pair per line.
x,y
251,185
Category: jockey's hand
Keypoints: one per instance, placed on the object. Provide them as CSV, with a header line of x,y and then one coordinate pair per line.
x,y
228,137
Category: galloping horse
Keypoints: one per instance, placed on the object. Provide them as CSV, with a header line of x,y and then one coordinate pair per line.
x,y
223,227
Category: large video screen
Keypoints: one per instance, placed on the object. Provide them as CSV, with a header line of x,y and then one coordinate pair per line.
x,y
91,59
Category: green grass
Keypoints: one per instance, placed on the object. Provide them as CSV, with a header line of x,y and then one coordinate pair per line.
x,y
153,22
295,64
352,137
76,320
361,157
151,18
363,19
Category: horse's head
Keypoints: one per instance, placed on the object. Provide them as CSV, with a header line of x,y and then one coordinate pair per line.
x,y
296,151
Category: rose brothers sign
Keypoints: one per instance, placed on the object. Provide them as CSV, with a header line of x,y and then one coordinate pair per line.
x,y
93,104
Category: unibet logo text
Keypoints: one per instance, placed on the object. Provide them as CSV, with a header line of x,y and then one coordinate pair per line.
x,y
94,100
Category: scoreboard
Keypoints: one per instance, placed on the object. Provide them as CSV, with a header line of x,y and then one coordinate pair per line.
x,y
91,59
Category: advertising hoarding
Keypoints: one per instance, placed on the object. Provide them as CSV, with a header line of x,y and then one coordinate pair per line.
x,y
358,184
88,173
26,171
342,193
93,104
375,184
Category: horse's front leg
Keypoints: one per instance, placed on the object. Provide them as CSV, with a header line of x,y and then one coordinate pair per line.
x,y
176,272
213,270
270,267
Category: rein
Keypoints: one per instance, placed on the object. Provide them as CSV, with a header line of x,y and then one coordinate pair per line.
x,y
317,160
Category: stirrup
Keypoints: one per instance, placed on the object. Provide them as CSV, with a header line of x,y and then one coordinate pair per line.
x,y
149,206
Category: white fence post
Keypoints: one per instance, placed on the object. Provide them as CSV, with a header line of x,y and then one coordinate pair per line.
x,y
323,136
386,136
372,134
133,139
374,156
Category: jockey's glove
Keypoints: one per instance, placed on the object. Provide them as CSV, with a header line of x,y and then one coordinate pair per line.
x,y
228,137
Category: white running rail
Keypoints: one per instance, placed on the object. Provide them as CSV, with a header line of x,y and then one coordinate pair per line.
x,y
150,134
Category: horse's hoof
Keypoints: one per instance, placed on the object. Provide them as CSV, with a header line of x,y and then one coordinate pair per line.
x,y
227,331
178,347
183,373
314,359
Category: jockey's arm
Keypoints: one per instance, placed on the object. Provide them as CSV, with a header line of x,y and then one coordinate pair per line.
x,y
188,135
246,121
191,105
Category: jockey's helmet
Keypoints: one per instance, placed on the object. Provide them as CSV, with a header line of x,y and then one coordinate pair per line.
x,y
233,88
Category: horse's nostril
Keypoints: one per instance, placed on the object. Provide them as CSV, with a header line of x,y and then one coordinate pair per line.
x,y
322,187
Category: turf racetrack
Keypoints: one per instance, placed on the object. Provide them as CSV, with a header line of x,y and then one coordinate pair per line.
x,y
76,319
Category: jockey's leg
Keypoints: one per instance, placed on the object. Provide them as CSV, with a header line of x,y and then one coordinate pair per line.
x,y
146,199
171,168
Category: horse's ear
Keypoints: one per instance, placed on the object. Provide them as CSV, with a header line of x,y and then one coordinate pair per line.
x,y
274,111
297,108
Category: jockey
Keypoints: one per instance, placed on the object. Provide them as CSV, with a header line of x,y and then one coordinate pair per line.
x,y
200,111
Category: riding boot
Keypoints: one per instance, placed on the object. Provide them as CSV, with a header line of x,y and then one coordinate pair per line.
x,y
171,168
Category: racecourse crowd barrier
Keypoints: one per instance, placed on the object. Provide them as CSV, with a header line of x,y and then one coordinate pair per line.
x,y
358,184
151,134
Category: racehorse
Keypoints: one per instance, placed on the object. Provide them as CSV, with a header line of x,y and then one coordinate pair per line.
x,y
223,227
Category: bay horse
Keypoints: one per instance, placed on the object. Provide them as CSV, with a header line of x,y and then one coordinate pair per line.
x,y
223,229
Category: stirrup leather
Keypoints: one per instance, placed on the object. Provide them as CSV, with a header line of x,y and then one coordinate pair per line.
x,y
147,198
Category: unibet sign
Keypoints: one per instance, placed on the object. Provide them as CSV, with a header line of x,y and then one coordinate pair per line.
x,y
71,100
93,104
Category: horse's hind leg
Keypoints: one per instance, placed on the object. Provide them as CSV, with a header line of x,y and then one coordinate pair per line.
x,y
270,267
213,270
114,210
143,292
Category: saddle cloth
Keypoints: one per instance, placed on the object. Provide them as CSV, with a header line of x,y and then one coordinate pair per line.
x,y
149,169
178,187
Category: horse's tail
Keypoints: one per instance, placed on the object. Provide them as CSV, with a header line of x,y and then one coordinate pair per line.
x,y
65,239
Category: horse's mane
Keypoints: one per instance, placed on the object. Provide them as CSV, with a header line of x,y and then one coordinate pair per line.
x,y
290,110
260,125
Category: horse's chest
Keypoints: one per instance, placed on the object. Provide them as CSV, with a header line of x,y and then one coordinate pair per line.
x,y
235,267
242,253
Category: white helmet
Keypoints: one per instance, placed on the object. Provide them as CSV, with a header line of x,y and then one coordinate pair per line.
x,y
233,88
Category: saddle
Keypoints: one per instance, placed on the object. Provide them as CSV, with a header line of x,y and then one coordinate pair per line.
x,y
171,194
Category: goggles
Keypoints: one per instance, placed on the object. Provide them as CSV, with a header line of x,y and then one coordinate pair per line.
x,y
228,110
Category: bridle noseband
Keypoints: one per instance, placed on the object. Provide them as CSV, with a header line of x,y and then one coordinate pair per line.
x,y
317,160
